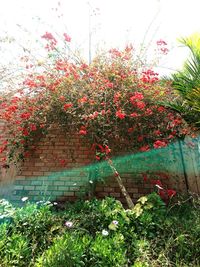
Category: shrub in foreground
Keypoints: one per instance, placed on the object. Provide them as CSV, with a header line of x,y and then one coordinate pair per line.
x,y
101,233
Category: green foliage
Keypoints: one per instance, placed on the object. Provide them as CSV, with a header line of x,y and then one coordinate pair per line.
x,y
101,212
102,233
14,248
68,250
108,251
38,223
187,83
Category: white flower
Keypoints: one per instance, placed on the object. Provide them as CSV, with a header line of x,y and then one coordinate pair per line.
x,y
69,224
104,232
158,186
91,182
24,199
115,222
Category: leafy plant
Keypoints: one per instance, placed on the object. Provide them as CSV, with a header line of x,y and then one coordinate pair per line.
x,y
68,250
186,82
103,233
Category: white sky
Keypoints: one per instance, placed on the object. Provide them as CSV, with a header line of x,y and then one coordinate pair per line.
x,y
118,22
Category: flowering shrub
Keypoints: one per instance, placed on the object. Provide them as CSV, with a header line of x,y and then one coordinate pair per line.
x,y
112,101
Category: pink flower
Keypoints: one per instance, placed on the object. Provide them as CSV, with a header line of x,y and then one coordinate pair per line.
x,y
69,224
67,37
161,42
48,36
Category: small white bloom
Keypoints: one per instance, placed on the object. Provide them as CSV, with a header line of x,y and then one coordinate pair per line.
x,y
55,203
24,199
69,224
91,182
104,232
115,222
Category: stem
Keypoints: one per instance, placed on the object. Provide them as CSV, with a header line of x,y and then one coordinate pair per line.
x,y
121,185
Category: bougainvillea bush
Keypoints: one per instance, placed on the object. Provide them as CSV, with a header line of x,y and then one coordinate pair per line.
x,y
113,100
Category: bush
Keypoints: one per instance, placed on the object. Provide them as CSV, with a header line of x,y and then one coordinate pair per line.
x,y
67,250
101,233
14,248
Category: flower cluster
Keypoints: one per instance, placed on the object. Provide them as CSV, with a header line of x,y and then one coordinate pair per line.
x,y
112,101
165,193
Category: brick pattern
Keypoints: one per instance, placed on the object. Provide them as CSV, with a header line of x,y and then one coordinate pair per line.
x,y
56,169
134,184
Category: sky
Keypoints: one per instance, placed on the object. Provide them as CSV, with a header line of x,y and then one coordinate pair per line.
x,y
112,23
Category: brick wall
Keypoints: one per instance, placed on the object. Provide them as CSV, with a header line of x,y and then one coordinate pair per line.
x,y
60,167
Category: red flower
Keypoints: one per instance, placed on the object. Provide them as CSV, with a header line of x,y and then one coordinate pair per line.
x,y
83,131
117,97
83,100
63,162
140,104
161,109
157,132
140,138
62,98
98,158
159,144
156,182
67,37
137,96
67,106
145,148
130,130
2,149
25,132
109,85
107,150
120,115
171,192
134,115
162,194
148,111
33,127
145,177
25,115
